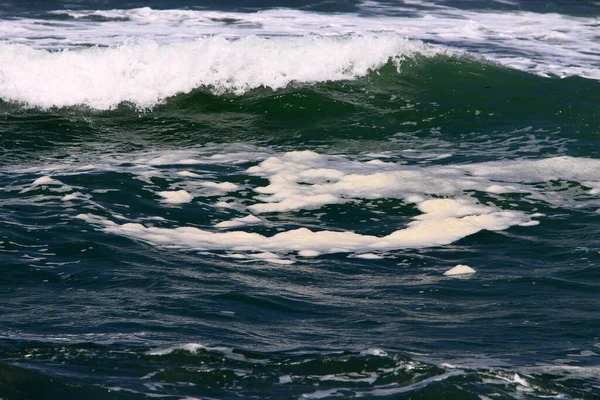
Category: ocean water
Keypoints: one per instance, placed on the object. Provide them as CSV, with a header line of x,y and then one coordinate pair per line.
x,y
299,199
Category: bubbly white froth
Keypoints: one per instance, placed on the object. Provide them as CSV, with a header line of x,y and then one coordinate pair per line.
x,y
460,270
296,181
46,180
369,256
426,232
236,222
146,72
189,347
176,197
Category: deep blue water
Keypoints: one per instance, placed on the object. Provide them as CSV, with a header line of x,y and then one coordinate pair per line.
x,y
256,199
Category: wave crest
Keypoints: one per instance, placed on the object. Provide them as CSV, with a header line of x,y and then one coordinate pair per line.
x,y
145,72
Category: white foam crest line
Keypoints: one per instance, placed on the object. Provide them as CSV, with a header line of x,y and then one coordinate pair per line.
x,y
189,347
374,351
197,347
435,229
47,182
540,43
146,73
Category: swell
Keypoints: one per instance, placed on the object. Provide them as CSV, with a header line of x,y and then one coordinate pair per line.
x,y
306,75
458,104
146,73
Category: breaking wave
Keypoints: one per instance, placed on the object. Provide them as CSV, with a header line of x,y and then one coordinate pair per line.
x,y
146,73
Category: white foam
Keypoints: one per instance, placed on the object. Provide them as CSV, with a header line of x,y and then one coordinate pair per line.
x,y
369,256
309,253
188,174
499,189
460,270
374,352
290,189
369,377
446,199
516,378
146,73
279,261
190,347
47,183
292,202
592,371
176,197
444,196
288,177
221,187
75,196
229,154
424,232
46,180
236,222
530,223
541,170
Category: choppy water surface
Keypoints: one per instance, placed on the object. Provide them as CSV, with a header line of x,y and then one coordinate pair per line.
x,y
349,199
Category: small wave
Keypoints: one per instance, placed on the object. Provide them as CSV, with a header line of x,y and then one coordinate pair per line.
x,y
194,369
146,73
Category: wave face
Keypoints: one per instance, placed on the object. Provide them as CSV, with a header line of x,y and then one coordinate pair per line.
x,y
342,199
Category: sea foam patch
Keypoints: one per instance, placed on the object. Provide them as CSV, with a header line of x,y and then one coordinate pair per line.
x,y
426,232
237,222
451,202
460,269
175,196
307,180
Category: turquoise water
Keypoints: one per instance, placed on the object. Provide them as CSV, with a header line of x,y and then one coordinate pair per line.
x,y
241,201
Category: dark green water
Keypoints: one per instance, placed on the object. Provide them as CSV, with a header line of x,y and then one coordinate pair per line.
x,y
292,242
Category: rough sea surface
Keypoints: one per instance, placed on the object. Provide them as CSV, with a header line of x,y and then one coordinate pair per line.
x,y
299,200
